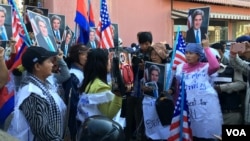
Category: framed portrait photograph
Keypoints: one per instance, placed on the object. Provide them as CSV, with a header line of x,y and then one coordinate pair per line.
x,y
5,24
198,22
122,76
125,65
67,40
42,31
67,28
58,25
154,76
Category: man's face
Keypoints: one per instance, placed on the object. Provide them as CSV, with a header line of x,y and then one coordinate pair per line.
x,y
144,46
67,40
2,18
92,36
197,21
43,28
56,24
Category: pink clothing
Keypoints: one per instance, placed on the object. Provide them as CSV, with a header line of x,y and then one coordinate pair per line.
x,y
212,61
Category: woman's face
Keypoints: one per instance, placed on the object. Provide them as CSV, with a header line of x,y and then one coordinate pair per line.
x,y
154,76
155,57
192,57
46,67
83,58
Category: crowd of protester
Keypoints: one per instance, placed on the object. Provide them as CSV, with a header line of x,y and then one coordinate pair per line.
x,y
69,96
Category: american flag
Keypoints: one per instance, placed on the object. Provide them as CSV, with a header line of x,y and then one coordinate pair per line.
x,y
16,27
180,126
104,30
19,35
180,51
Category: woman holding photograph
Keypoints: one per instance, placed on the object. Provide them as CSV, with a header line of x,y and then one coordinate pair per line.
x,y
160,107
202,99
159,55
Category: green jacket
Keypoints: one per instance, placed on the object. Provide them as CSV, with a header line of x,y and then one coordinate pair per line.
x,y
110,108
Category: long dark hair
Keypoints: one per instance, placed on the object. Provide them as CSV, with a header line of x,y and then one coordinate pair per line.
x,y
74,52
95,67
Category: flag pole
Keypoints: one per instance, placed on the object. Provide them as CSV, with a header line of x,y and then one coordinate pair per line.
x,y
169,74
21,20
24,39
75,32
182,106
88,7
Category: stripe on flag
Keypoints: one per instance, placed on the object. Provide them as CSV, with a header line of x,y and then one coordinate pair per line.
x,y
180,51
16,27
180,124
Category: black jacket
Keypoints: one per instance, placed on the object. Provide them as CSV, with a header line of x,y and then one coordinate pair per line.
x,y
190,37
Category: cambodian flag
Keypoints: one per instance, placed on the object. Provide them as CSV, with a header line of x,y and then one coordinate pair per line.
x,y
7,99
82,22
91,15
18,59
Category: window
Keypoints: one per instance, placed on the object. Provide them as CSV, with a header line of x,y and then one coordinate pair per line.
x,y
240,28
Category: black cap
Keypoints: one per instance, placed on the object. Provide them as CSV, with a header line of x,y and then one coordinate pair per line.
x,y
35,54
